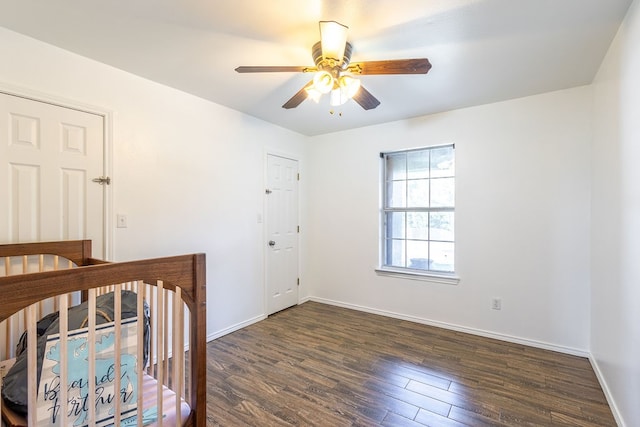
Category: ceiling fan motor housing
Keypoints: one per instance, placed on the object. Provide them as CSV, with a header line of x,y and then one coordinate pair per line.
x,y
330,64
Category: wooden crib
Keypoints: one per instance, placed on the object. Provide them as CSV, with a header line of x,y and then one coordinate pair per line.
x,y
41,278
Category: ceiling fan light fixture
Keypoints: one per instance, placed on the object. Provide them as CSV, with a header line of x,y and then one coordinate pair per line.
x,y
313,93
323,82
334,71
345,89
349,85
333,37
338,97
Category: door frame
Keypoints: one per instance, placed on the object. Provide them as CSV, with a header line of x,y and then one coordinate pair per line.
x,y
265,232
107,155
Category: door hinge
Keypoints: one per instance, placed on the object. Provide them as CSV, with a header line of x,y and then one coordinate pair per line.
x,y
298,229
298,281
298,177
267,191
102,180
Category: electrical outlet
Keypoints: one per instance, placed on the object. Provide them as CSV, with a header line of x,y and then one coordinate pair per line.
x,y
496,303
121,221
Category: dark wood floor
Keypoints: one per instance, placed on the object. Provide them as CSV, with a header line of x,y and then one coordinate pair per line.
x,y
319,365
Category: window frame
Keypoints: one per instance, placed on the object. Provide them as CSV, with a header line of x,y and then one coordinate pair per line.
x,y
440,276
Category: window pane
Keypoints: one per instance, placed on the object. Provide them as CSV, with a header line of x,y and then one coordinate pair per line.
x,y
442,192
396,194
418,254
395,225
396,166
418,193
442,163
441,256
441,224
418,225
395,253
418,164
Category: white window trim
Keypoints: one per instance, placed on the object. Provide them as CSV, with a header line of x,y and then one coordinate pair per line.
x,y
407,273
424,276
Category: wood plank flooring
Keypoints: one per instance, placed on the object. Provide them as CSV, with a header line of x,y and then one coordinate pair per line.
x,y
320,365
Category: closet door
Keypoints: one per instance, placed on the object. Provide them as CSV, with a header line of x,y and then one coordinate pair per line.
x,y
282,233
49,156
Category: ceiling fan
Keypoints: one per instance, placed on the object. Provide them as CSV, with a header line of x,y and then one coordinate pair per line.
x,y
335,74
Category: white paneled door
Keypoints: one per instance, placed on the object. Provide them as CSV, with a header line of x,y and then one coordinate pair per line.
x,y
282,233
49,156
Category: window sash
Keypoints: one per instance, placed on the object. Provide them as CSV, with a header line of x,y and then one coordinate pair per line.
x,y
422,253
405,247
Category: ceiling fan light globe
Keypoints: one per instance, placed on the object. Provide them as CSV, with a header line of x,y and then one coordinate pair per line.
x,y
323,82
349,85
313,94
338,97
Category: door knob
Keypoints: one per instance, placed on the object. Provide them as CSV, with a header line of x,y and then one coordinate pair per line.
x,y
272,243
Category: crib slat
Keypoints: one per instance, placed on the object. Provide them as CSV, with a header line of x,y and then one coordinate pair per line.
x,y
117,351
64,362
140,347
8,335
152,355
32,360
9,322
91,339
159,350
41,269
188,356
22,322
1,381
178,352
165,309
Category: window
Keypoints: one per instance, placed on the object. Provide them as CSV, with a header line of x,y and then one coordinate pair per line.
x,y
418,210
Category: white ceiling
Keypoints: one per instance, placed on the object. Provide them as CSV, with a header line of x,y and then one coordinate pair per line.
x,y
482,51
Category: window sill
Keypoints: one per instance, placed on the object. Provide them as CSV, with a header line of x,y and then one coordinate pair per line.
x,y
447,279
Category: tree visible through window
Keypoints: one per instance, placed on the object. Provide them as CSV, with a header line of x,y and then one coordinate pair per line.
x,y
418,209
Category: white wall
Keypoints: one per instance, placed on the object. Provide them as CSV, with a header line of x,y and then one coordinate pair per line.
x,y
187,173
615,261
522,219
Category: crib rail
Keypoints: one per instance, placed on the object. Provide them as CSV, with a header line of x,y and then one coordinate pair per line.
x,y
174,290
12,328
77,251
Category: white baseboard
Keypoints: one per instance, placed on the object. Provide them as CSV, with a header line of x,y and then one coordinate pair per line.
x,y
473,331
606,391
233,328
303,300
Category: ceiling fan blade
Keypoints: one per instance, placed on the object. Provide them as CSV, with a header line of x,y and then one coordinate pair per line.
x,y
297,99
365,99
275,69
392,66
